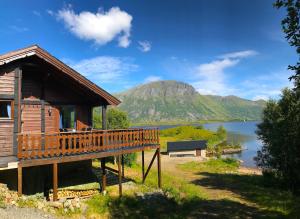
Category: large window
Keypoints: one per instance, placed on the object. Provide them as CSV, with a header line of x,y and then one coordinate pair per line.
x,y
5,109
67,117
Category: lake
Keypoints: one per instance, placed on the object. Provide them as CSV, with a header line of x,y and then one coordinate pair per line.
x,y
238,132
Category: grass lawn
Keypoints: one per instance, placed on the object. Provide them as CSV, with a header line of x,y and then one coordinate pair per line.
x,y
212,189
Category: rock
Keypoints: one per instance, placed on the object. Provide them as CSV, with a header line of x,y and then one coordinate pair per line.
x,y
56,204
40,205
67,204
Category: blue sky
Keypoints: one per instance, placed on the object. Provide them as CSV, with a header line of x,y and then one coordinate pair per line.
x,y
228,47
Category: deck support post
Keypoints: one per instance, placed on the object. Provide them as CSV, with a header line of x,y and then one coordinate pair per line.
x,y
20,181
120,175
143,165
123,167
150,165
158,167
55,179
103,175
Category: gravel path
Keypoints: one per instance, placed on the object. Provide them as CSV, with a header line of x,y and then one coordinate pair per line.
x,y
23,213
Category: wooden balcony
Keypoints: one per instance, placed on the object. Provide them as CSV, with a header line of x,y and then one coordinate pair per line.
x,y
40,146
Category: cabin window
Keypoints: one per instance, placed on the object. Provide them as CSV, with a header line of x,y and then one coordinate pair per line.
x,y
5,109
67,117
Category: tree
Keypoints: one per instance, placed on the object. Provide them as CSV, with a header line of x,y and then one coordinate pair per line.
x,y
291,28
280,134
221,132
280,126
117,119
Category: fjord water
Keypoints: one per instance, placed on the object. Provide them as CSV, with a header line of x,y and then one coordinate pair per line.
x,y
238,132
243,133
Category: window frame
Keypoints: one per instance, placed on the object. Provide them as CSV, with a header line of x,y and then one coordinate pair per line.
x,y
11,110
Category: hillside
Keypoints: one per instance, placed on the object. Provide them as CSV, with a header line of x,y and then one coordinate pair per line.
x,y
173,101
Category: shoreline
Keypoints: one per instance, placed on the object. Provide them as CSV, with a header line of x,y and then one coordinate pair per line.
x,y
200,122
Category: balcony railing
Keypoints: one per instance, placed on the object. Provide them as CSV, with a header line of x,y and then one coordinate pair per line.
x,y
46,145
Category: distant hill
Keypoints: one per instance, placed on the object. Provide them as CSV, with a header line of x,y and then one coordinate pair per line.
x,y
173,101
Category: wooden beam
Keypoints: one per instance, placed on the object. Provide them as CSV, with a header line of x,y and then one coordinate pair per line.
x,y
103,174
55,181
111,169
79,157
104,122
120,175
158,168
20,180
17,108
150,165
6,97
123,167
143,165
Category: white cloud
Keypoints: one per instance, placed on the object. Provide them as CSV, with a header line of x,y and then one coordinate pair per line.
x,y
18,28
101,27
36,13
50,12
266,86
211,78
239,55
105,69
144,46
152,78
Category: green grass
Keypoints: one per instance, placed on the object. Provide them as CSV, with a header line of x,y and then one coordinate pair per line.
x,y
216,190
212,166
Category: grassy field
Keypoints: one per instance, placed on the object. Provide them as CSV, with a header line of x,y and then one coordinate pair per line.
x,y
212,189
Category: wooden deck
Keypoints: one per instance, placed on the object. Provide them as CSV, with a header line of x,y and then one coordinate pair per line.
x,y
33,146
41,149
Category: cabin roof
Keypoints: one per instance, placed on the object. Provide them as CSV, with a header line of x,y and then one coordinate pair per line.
x,y
35,50
186,145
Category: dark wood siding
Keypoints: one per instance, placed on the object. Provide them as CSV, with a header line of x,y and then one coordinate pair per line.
x,y
31,118
6,137
7,80
31,89
52,119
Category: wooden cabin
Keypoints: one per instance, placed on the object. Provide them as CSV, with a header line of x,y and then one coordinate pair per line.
x,y
46,116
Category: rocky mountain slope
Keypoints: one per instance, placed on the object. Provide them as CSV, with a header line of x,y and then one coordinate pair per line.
x,y
173,101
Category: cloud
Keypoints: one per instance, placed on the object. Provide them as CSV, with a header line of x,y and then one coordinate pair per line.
x,y
152,78
18,28
239,55
101,27
105,69
37,13
50,12
144,46
266,86
211,78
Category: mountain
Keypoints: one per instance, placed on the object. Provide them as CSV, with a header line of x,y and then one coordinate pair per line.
x,y
173,101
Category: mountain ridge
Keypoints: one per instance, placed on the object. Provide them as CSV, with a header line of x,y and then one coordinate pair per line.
x,y
175,101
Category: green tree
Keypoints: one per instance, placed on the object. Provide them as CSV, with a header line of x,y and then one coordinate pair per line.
x,y
280,126
117,119
221,132
291,28
280,134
